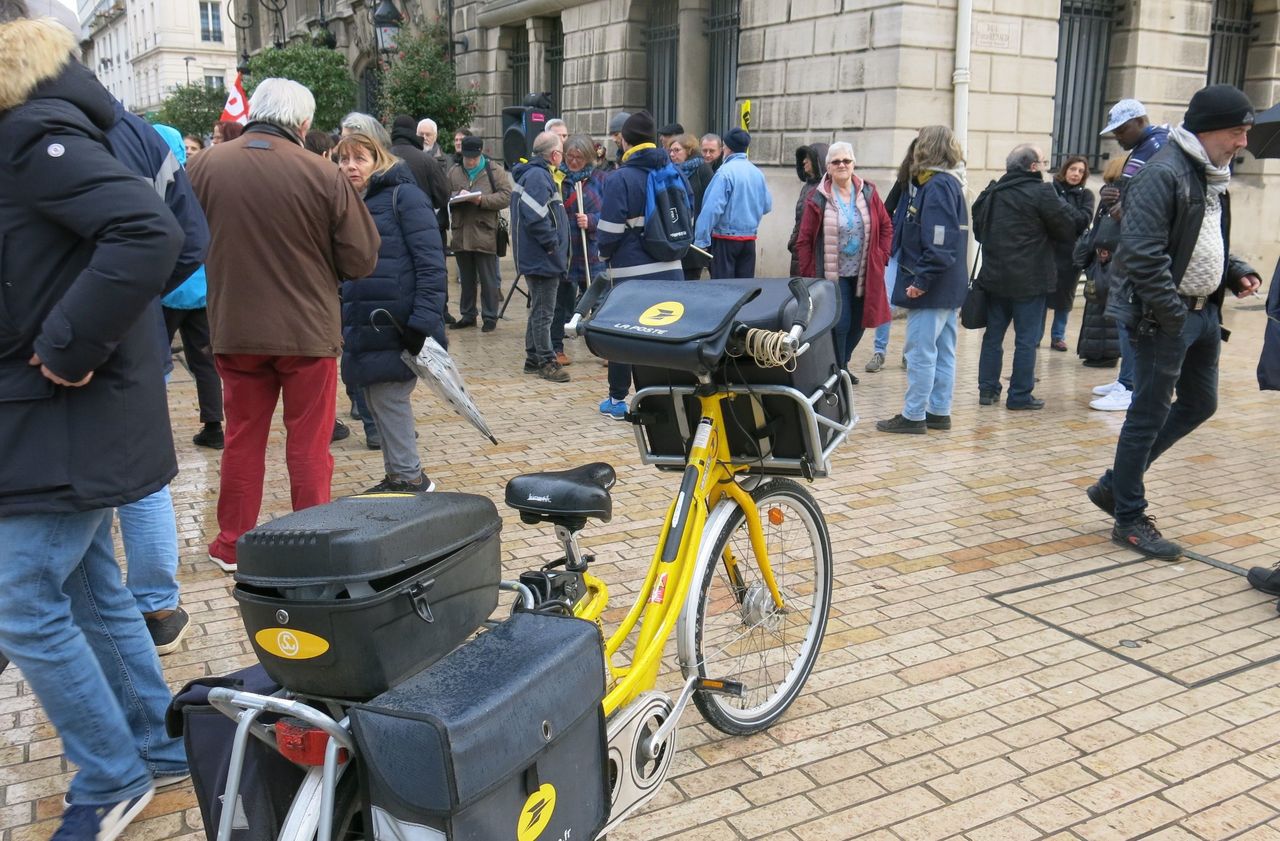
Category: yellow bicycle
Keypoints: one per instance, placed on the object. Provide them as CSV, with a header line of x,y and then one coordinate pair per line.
x,y
738,390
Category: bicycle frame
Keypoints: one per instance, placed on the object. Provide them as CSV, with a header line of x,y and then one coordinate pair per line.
x,y
707,482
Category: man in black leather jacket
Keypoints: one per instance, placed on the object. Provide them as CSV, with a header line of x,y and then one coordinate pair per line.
x,y
1017,219
1174,264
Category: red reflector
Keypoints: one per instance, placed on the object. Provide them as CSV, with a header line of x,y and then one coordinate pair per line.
x,y
301,743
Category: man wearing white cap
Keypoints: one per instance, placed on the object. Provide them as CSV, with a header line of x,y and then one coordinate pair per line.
x,y
1127,122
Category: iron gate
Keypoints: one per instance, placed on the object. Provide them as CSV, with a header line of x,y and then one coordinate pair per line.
x,y
555,65
1229,37
661,42
1084,48
722,78
518,59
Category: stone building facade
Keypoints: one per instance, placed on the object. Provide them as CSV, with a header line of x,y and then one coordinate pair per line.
x,y
873,72
868,71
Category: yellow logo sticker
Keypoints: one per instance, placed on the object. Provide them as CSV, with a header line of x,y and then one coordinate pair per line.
x,y
291,645
536,813
660,315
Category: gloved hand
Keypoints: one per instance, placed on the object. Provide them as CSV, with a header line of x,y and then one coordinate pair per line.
x,y
412,341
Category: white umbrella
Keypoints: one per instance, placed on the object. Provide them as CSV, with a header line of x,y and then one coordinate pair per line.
x,y
435,367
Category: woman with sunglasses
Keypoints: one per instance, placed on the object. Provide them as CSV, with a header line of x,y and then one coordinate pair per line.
x,y
845,236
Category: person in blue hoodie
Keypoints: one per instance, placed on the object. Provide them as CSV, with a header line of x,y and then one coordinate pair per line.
x,y
407,282
540,236
620,233
185,313
736,200
931,244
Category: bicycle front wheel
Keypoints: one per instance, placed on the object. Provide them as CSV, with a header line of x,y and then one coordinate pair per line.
x,y
740,632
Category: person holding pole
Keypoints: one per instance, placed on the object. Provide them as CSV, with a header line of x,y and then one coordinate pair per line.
x,y
583,190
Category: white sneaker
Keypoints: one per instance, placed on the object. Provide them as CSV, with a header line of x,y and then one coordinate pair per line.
x,y
1104,390
1116,401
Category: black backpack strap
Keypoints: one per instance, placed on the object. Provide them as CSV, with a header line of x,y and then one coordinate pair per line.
x,y
493,188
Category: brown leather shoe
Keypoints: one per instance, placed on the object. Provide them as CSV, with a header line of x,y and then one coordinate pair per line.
x,y
563,359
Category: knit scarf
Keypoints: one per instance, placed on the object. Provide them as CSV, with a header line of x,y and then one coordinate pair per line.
x,y
474,172
572,178
690,166
640,147
1218,178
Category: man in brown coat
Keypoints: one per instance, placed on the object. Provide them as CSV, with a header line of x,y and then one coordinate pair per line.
x,y
474,222
287,228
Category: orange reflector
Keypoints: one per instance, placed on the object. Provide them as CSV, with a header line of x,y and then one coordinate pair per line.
x,y
303,744
775,516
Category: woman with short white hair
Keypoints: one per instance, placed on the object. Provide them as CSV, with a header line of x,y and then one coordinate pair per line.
x,y
845,235
367,124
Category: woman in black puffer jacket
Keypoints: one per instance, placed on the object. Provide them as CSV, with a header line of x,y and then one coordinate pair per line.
x,y
409,283
1069,184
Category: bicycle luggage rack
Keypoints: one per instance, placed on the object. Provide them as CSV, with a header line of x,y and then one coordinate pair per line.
x,y
816,459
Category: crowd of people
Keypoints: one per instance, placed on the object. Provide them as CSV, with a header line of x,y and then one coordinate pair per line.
x,y
288,259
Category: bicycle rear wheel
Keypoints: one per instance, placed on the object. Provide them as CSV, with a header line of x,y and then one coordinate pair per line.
x,y
740,633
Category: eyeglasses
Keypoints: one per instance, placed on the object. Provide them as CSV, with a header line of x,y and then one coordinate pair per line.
x,y
841,162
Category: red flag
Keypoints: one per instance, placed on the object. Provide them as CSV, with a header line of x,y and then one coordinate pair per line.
x,y
237,108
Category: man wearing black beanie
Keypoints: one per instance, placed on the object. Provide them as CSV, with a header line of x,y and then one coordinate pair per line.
x,y
621,239
1174,263
733,205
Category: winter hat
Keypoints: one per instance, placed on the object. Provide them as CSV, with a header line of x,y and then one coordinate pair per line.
x,y
404,121
1218,107
618,121
671,129
737,140
639,128
472,147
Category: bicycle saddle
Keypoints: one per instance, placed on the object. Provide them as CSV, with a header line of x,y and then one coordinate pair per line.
x,y
564,494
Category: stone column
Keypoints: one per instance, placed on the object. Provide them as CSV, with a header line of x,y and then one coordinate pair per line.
x,y
539,35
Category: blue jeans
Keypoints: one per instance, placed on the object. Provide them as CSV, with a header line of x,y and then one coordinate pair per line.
x,y
1058,332
1185,365
931,362
848,328
149,531
882,332
1126,357
1027,317
67,621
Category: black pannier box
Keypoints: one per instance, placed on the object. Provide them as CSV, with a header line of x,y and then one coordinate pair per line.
x,y
344,600
503,738
759,425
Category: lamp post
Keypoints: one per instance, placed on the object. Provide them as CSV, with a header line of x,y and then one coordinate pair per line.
x,y
187,61
243,22
387,20
321,35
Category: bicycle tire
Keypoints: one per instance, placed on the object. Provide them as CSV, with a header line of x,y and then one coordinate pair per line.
x,y
742,614
348,809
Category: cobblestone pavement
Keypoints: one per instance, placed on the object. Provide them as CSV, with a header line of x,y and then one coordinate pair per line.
x,y
995,668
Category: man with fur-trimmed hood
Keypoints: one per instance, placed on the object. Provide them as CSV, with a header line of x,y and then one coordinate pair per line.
x,y
86,246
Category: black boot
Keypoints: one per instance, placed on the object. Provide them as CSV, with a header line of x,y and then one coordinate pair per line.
x,y
1266,580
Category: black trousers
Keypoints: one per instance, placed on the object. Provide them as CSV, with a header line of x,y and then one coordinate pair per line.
x,y
733,258
193,325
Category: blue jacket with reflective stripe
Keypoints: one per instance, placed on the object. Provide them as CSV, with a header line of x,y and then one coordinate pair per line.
x,y
539,227
620,231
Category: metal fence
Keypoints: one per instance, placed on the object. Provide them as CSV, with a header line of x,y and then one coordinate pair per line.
x,y
555,65
1084,47
518,59
722,41
1229,37
661,43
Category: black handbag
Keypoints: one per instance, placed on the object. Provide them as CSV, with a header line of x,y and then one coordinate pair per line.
x,y
973,312
503,237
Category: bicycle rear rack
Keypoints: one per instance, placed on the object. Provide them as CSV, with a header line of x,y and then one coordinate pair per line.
x,y
816,461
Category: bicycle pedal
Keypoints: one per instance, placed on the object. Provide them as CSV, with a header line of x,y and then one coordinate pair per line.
x,y
721,687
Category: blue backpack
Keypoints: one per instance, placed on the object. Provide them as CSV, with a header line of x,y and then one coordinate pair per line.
x,y
668,217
